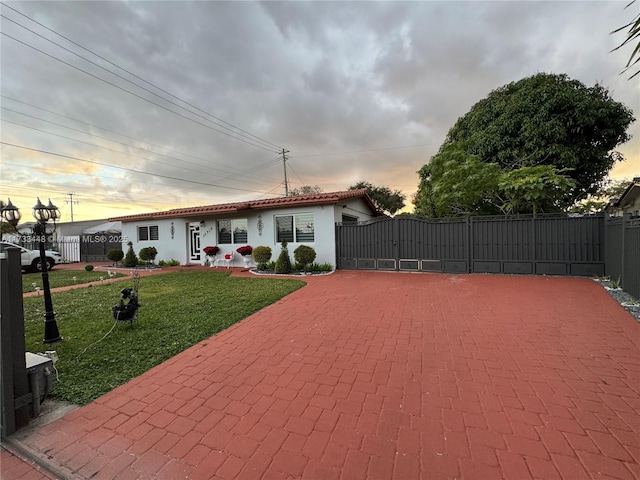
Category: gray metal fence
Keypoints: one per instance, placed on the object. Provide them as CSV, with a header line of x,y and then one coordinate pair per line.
x,y
622,254
547,245
630,280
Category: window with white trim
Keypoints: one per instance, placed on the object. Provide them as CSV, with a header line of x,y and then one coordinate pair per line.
x,y
148,232
232,231
298,228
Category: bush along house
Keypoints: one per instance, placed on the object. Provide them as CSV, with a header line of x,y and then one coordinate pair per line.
x,y
182,233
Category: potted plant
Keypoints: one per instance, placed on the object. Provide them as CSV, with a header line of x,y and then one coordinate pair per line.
x,y
245,251
211,252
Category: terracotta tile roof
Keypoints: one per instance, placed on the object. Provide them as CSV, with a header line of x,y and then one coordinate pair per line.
x,y
278,202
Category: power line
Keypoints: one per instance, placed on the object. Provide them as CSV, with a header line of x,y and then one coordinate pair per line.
x,y
399,147
250,135
296,174
124,168
132,93
103,176
92,135
235,171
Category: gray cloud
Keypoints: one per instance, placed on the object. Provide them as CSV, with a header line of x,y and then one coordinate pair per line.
x,y
317,78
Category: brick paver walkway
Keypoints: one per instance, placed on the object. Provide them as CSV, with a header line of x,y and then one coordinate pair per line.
x,y
381,376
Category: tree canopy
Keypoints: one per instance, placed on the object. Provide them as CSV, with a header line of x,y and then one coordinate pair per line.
x,y
536,145
612,189
383,198
305,190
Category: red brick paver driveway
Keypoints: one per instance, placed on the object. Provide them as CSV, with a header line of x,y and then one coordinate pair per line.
x,y
381,376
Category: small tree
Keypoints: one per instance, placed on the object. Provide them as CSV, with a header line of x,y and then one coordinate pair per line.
x,y
283,263
304,255
262,255
148,254
130,259
115,255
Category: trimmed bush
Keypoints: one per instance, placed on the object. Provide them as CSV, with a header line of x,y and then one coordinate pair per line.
x,y
283,263
148,254
262,255
304,255
168,263
88,268
130,259
115,255
322,267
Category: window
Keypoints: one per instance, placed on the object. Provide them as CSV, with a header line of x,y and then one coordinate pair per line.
x,y
295,228
232,231
348,218
147,233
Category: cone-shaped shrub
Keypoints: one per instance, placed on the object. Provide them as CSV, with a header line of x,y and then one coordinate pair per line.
x,y
283,264
130,259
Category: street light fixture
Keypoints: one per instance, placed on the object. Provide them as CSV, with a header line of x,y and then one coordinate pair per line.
x,y
42,214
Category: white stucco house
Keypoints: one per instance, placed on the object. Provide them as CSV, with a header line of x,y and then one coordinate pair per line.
x,y
182,233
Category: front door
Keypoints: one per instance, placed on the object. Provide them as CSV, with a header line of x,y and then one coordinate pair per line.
x,y
194,242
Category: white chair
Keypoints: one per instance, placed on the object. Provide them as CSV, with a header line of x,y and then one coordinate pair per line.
x,y
227,258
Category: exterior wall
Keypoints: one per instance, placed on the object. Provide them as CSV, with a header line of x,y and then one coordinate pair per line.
x,y
65,229
324,232
261,231
633,207
167,247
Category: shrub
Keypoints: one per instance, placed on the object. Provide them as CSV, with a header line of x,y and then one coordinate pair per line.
x,y
168,263
115,255
130,259
148,254
88,268
304,255
322,267
262,255
283,264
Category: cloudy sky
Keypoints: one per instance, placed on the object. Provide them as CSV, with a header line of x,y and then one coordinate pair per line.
x,y
143,106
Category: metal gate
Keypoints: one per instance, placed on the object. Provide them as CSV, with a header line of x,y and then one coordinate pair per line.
x,y
551,245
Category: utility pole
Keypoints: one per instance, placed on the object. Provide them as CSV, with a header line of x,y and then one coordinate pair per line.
x,y
71,201
284,163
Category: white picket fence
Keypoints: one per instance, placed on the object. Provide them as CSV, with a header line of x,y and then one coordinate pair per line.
x,y
69,248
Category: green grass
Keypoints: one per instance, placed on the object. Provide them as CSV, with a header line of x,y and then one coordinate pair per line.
x,y
62,278
178,310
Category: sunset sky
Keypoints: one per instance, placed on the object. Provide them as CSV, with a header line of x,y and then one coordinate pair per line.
x,y
144,106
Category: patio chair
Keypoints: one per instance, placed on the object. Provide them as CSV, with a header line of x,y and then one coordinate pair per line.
x,y
227,258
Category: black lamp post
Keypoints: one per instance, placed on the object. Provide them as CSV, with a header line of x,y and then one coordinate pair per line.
x,y
42,214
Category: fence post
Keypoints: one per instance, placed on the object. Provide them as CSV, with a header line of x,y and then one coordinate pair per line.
x,y
14,383
469,241
396,242
625,218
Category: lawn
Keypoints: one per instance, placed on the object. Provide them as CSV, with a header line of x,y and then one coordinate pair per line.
x,y
178,310
62,278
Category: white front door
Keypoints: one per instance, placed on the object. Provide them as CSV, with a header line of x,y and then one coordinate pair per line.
x,y
194,242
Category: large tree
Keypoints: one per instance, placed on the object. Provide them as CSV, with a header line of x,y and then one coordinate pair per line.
x,y
383,198
544,120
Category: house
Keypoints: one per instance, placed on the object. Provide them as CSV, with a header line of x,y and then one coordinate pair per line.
x,y
629,201
182,233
